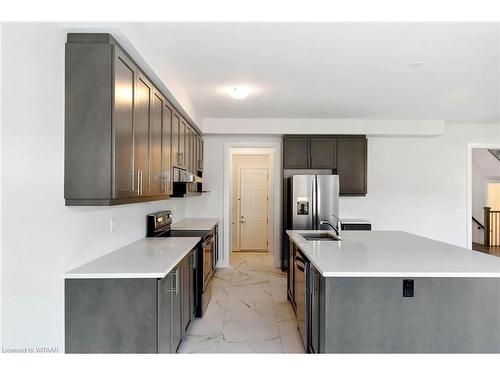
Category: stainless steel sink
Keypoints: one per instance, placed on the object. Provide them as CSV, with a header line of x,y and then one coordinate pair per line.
x,y
319,237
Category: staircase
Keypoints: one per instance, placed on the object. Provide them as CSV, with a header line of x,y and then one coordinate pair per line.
x,y
491,227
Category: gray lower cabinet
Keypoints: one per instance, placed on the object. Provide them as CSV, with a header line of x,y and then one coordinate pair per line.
x,y
111,316
129,315
188,295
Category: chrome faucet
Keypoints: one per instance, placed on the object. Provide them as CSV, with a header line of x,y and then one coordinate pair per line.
x,y
329,223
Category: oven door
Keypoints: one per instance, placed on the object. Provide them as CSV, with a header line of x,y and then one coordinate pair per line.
x,y
208,258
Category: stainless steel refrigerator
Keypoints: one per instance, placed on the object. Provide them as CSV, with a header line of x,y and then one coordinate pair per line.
x,y
313,198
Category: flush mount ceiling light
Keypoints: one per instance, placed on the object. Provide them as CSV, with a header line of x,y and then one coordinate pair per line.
x,y
239,92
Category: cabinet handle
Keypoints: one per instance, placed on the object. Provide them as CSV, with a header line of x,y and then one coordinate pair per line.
x,y
193,260
141,183
175,288
138,182
140,174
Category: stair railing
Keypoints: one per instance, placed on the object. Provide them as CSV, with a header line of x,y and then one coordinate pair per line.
x,y
491,227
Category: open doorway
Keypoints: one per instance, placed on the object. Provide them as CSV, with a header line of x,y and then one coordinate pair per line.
x,y
251,200
484,200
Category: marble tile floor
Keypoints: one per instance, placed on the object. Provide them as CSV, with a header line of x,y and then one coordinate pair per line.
x,y
248,313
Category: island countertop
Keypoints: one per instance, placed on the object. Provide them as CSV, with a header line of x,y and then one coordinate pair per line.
x,y
146,258
393,254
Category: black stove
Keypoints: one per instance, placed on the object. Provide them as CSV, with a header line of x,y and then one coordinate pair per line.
x,y
159,225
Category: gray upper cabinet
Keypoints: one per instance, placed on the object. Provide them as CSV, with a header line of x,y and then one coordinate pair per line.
x,y
124,87
142,121
323,151
166,150
121,134
296,152
156,176
182,144
176,127
352,165
344,155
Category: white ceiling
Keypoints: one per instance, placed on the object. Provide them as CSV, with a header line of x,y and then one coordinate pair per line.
x,y
333,70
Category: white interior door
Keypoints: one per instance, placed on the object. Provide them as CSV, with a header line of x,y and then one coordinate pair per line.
x,y
253,209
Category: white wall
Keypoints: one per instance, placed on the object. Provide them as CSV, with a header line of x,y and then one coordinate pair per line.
x,y
216,158
415,184
41,237
419,184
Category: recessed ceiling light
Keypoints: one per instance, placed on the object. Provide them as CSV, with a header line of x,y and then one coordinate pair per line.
x,y
416,64
239,92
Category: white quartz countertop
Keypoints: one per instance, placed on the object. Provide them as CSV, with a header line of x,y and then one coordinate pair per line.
x,y
195,224
146,258
393,254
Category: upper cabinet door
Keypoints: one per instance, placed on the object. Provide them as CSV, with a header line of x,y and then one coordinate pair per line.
x,y
156,182
296,152
323,152
143,99
199,163
166,149
125,185
188,148
351,166
182,144
176,128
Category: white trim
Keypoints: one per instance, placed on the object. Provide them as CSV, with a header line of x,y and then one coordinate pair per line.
x,y
269,210
274,149
470,147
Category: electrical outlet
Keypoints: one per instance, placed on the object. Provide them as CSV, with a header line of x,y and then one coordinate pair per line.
x,y
408,288
112,225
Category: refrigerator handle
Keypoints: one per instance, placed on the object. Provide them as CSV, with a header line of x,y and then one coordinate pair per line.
x,y
314,203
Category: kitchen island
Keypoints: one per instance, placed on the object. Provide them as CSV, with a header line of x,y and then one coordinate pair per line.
x,y
393,292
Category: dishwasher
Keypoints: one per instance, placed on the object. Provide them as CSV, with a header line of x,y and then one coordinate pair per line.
x,y
301,266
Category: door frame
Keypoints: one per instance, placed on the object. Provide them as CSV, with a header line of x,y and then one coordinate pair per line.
x,y
253,146
269,207
468,198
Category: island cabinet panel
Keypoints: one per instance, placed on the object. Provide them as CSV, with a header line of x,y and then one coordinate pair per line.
x,y
292,250
119,139
317,300
352,165
446,315
296,152
110,316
